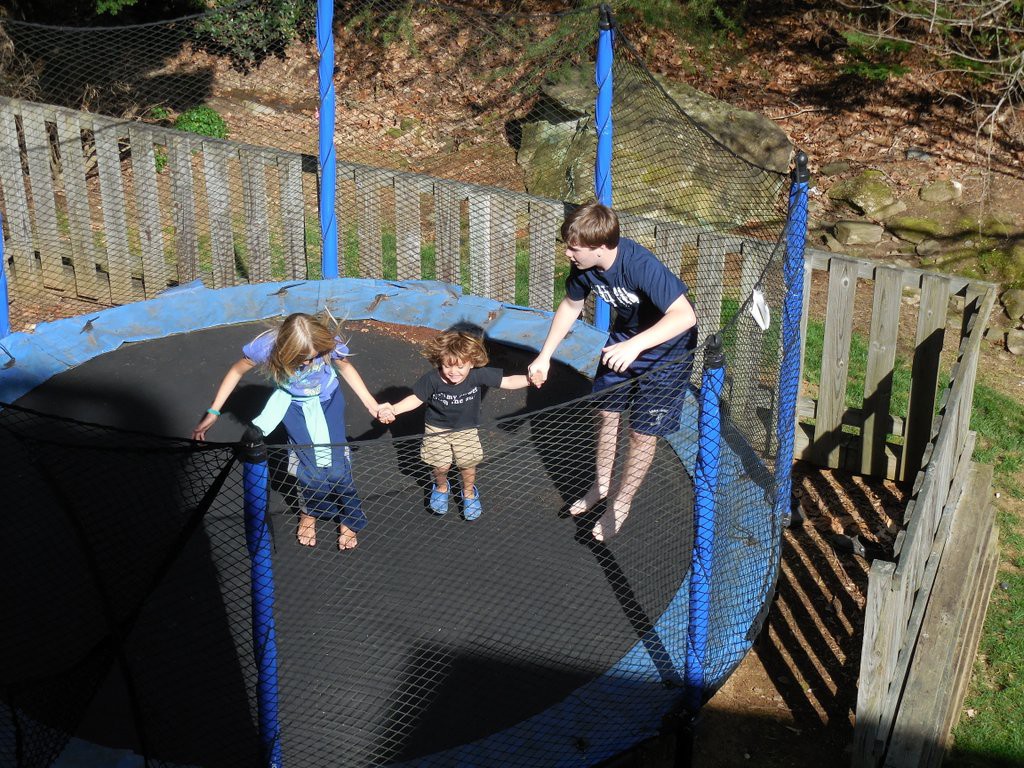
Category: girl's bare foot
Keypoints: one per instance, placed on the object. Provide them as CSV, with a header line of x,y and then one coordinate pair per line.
x,y
346,538
611,521
306,534
590,499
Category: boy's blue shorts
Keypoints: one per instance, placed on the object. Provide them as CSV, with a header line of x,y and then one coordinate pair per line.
x,y
654,396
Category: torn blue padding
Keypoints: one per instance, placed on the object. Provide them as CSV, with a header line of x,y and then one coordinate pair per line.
x,y
633,695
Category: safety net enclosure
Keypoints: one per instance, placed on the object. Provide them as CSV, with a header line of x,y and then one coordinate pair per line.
x,y
510,640
161,602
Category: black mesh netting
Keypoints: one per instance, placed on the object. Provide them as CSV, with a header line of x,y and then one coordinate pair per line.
x,y
148,156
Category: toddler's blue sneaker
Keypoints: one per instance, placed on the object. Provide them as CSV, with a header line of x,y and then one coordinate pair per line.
x,y
438,501
471,508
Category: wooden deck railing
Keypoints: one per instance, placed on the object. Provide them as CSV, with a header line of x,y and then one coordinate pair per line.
x,y
925,610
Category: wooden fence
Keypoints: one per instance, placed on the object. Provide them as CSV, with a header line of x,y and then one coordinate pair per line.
x,y
925,611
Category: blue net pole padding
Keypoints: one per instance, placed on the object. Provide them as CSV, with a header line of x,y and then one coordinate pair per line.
x,y
705,490
256,480
789,373
5,310
328,168
603,117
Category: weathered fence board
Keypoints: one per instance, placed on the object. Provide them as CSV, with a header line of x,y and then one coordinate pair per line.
x,y
292,216
216,174
480,244
447,226
502,254
186,230
257,221
370,224
85,257
916,730
155,274
931,324
885,326
18,222
545,221
750,343
115,224
835,358
879,650
408,228
52,247
708,294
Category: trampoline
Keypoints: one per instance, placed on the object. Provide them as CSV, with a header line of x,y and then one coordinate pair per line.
x,y
513,639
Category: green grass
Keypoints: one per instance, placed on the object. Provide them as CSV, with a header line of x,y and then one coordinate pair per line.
x,y
857,366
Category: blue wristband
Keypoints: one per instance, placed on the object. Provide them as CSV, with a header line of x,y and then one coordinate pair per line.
x,y
213,411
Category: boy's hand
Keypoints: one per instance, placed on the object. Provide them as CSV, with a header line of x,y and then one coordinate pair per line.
x,y
620,356
386,413
537,371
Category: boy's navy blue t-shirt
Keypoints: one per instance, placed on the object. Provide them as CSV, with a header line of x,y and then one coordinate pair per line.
x,y
455,406
640,289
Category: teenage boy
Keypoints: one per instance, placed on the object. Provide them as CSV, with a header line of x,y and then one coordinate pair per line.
x,y
654,333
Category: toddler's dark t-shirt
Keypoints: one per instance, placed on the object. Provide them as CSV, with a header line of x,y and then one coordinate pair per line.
x,y
455,406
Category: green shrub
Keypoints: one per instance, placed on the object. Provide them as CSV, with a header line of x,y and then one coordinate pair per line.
x,y
259,29
874,58
204,121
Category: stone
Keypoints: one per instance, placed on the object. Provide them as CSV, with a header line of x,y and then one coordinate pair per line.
x,y
916,153
889,211
941,191
868,192
834,169
914,228
928,247
1013,303
832,244
1015,342
858,233
700,183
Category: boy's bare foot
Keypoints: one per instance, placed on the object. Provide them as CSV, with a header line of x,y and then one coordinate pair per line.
x,y
611,521
590,499
346,538
306,534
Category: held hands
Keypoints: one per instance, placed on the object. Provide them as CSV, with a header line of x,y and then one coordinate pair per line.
x,y
386,413
537,372
620,356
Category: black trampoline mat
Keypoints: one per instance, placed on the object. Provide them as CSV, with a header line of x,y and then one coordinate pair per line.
x,y
432,633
